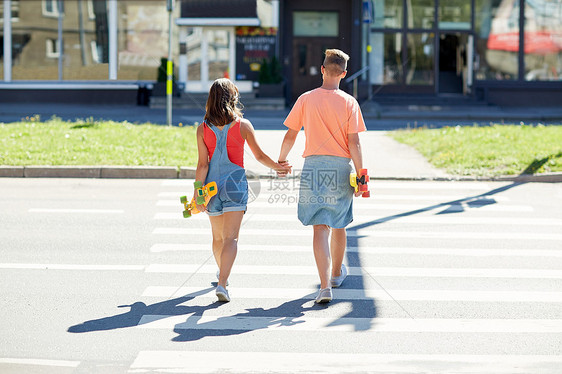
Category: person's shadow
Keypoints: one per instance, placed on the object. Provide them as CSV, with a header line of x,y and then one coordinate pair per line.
x,y
138,309
253,319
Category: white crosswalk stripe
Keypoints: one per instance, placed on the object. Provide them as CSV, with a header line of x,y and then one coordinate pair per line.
x,y
345,294
336,362
454,207
452,277
378,325
422,251
370,233
382,271
430,220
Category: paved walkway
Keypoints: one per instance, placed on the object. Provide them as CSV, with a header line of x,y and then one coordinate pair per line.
x,y
382,156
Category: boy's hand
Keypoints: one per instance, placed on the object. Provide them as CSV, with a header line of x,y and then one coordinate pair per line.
x,y
284,168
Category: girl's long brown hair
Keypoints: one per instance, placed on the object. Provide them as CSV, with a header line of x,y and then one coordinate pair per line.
x,y
223,105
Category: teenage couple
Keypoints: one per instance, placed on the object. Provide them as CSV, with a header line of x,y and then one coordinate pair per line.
x,y
332,120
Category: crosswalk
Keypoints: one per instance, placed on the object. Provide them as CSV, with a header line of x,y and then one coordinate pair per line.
x,y
443,278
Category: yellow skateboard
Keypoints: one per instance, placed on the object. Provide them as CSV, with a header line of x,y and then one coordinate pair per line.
x,y
204,194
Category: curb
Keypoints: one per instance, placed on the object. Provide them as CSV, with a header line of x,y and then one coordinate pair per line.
x,y
170,172
123,172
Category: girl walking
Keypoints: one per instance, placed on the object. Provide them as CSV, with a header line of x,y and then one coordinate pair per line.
x,y
220,144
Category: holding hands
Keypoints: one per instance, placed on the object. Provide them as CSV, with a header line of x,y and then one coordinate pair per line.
x,y
283,169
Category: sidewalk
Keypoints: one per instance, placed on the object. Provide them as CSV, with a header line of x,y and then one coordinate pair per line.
x,y
382,156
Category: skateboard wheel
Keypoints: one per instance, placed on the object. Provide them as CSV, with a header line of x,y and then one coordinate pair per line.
x,y
363,172
186,214
363,188
197,184
367,194
367,178
183,199
200,200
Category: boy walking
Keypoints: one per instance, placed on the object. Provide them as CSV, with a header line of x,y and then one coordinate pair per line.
x,y
332,120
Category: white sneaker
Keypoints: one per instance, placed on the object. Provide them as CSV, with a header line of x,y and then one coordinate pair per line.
x,y
337,281
222,294
324,296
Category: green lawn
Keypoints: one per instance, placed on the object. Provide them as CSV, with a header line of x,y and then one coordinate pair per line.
x,y
87,142
489,151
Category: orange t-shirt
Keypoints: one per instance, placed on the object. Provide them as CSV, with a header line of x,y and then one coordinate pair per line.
x,y
328,116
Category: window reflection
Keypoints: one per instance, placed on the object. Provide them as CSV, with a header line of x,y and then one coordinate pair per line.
x,y
421,14
194,44
497,28
543,40
386,58
454,15
143,39
388,13
218,51
421,60
36,48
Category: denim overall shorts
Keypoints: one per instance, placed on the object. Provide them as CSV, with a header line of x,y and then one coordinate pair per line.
x,y
232,185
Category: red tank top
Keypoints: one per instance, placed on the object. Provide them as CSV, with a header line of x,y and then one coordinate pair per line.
x,y
234,143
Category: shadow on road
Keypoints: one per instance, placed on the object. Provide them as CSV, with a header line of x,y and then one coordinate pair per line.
x,y
133,317
286,314
449,207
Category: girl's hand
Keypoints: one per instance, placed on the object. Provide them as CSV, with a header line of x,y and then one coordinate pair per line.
x,y
201,207
283,168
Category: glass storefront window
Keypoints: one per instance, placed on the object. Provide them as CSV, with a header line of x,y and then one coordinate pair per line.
x,y
386,58
315,23
421,14
143,39
194,44
421,59
218,53
543,40
497,44
454,15
388,13
37,50
2,39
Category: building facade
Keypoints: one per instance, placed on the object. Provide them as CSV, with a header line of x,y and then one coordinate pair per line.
x,y
505,52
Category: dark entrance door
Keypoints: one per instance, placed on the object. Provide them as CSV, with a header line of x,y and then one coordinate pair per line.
x,y
452,63
311,27
308,55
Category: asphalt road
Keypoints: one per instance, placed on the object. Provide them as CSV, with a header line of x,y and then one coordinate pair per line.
x,y
105,276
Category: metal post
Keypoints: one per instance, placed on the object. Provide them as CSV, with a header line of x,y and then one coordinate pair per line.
x,y
60,39
112,30
169,65
470,62
7,40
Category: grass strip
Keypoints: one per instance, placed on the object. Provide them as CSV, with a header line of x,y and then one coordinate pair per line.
x,y
489,151
89,142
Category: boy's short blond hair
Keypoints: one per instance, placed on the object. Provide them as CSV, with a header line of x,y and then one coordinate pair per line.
x,y
335,61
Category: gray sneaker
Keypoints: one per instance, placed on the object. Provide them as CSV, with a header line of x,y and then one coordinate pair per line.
x,y
337,281
324,296
222,294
